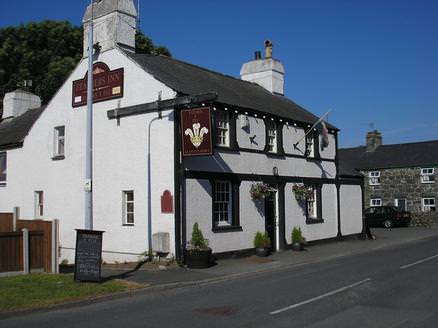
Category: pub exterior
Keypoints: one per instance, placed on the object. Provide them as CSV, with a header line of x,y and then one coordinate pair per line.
x,y
175,144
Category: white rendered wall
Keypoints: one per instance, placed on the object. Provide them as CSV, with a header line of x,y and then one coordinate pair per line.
x,y
120,163
199,209
351,209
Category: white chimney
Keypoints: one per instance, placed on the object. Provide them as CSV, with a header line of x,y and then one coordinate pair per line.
x,y
19,101
115,24
267,72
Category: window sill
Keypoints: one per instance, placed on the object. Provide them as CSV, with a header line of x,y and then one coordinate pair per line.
x,y
226,229
128,224
3,184
314,221
58,158
427,182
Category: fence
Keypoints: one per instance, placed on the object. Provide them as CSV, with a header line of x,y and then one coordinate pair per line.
x,y
33,246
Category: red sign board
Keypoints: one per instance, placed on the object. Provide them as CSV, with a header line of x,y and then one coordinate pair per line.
x,y
167,202
196,131
106,85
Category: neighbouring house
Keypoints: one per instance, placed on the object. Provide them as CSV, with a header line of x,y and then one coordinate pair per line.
x,y
402,175
173,144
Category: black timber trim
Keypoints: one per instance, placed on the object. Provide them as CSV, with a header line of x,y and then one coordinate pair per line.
x,y
58,158
314,221
11,146
338,189
160,105
178,175
233,133
207,175
234,146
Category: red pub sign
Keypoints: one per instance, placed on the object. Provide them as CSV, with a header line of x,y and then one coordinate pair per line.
x,y
196,131
106,85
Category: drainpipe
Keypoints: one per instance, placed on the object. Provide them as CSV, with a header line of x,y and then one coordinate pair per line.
x,y
149,195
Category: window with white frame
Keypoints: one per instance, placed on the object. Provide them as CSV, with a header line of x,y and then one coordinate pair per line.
x,y
39,203
401,204
59,141
375,202
429,204
222,128
3,168
427,175
271,136
128,207
223,203
310,145
312,206
374,178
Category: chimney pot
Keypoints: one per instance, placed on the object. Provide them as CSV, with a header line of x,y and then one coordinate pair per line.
x,y
257,55
373,140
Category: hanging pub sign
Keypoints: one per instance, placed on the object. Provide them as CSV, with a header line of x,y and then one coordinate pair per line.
x,y
196,131
106,85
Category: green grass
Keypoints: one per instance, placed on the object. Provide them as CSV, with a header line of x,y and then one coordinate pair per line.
x,y
39,290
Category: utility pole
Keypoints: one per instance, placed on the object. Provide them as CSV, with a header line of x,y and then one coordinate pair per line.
x,y
88,185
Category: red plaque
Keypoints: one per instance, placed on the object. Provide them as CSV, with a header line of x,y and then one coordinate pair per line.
x,y
106,85
167,202
196,131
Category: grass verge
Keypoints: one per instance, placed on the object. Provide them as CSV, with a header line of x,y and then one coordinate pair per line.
x,y
40,290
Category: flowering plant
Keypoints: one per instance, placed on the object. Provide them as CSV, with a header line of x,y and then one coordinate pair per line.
x,y
302,192
259,190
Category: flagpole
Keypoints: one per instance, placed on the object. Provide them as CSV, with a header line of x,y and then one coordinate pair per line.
x,y
313,126
89,132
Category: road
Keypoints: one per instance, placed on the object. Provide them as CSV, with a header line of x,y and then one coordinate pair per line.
x,y
391,287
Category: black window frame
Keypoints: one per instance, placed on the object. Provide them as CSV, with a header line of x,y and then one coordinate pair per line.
x,y
318,219
5,182
278,139
232,129
316,151
235,206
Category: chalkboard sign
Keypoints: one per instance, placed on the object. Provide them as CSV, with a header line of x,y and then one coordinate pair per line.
x,y
88,256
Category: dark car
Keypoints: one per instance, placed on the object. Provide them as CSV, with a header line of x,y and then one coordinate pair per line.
x,y
387,216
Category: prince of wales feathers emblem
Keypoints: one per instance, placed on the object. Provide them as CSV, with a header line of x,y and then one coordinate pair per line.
x,y
196,136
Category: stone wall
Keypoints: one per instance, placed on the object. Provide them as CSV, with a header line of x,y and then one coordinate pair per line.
x,y
401,183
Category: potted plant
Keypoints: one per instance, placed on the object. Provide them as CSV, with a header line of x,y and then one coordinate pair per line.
x,y
298,240
199,255
259,190
301,191
262,244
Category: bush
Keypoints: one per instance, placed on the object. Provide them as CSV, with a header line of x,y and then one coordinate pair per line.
x,y
198,241
262,240
424,219
297,236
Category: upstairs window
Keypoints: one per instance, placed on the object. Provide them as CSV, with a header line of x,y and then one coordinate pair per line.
x,y
3,167
271,136
59,141
39,204
374,178
375,202
429,205
222,129
310,145
427,175
128,207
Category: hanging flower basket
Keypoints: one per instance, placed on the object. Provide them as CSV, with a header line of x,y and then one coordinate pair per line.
x,y
260,190
302,192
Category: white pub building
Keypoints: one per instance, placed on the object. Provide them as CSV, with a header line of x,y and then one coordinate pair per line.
x,y
173,144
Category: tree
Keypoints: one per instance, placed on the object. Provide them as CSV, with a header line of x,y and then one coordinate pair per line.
x,y
46,53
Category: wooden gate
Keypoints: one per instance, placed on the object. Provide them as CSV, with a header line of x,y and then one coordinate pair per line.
x,y
11,251
6,223
37,254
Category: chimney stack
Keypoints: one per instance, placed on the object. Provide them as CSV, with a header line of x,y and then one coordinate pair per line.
x,y
373,140
19,101
267,72
115,25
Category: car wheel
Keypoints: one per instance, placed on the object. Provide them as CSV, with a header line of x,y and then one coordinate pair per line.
x,y
387,224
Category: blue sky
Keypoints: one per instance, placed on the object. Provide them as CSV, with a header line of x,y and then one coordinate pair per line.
x,y
373,61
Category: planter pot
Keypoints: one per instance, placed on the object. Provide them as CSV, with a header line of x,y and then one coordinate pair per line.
x,y
262,252
298,246
199,259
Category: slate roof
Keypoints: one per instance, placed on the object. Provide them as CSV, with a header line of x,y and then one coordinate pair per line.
x,y
415,154
14,130
189,79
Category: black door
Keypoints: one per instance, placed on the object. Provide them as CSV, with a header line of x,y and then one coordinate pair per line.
x,y
270,213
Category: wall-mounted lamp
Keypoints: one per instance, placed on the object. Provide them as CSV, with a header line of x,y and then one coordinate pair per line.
x,y
275,171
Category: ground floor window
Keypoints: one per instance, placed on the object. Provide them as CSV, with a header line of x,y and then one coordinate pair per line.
x,y
225,204
429,204
374,202
39,203
314,204
401,204
128,207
